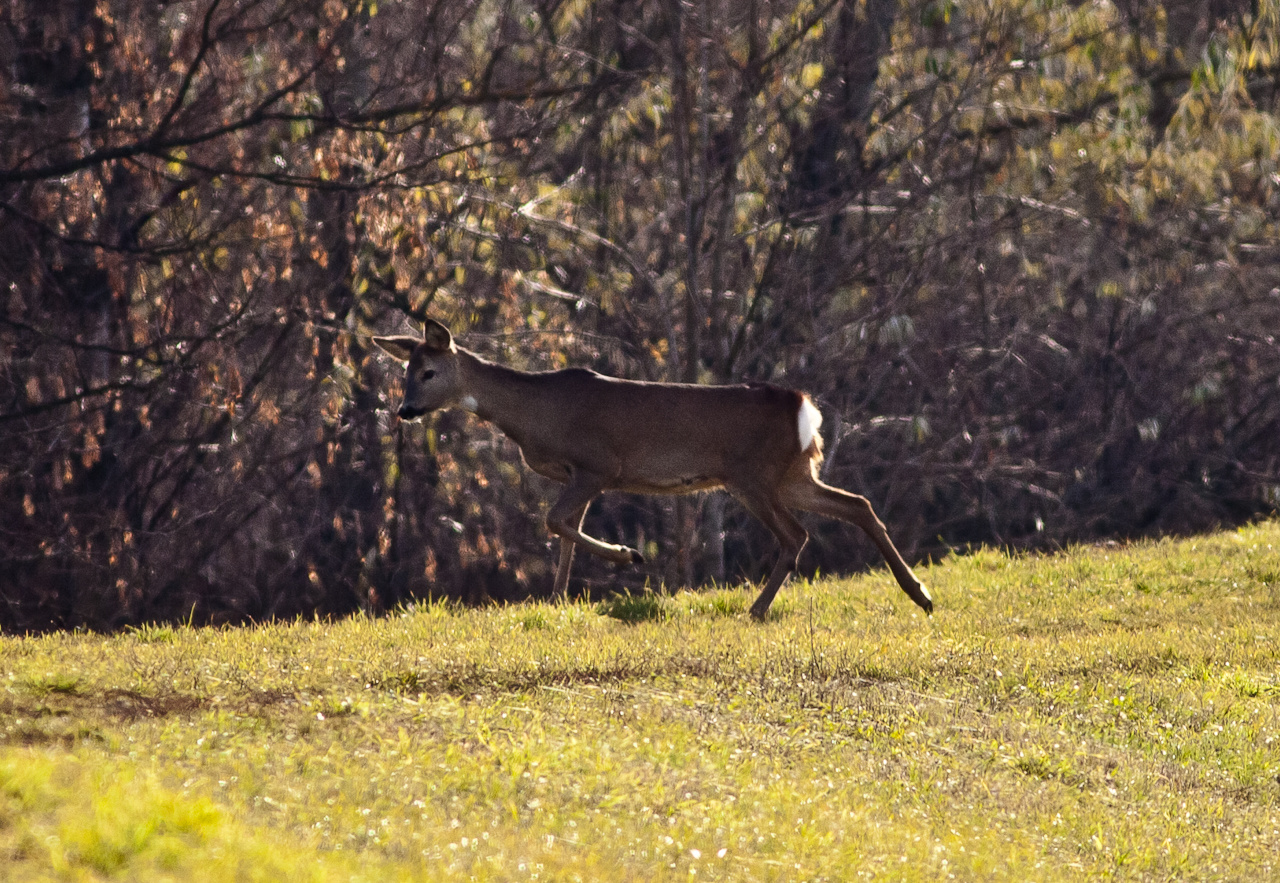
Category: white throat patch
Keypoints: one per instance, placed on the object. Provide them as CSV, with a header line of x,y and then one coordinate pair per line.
x,y
470,403
808,422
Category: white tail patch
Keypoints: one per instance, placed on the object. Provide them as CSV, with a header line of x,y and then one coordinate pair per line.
x,y
808,422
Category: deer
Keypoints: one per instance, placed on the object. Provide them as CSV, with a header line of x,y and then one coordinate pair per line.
x,y
593,433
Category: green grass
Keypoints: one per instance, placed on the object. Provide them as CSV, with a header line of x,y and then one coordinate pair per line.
x,y
1106,713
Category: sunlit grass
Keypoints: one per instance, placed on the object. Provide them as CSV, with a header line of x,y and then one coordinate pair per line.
x,y
1110,712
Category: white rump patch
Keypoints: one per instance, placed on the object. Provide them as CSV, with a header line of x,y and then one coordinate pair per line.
x,y
808,422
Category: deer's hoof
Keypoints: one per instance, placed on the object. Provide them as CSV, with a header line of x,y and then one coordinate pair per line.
x,y
922,597
636,557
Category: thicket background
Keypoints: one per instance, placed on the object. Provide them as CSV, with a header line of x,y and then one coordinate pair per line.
x,y
1023,252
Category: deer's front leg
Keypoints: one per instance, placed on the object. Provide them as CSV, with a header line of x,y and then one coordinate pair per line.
x,y
565,521
560,589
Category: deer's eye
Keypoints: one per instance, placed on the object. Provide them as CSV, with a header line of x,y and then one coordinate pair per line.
x,y
428,373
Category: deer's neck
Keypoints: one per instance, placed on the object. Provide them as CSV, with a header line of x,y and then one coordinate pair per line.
x,y
497,393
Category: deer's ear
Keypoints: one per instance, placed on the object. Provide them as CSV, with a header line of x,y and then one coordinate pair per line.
x,y
436,337
399,347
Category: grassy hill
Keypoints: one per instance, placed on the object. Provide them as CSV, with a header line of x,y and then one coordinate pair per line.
x,y
1108,712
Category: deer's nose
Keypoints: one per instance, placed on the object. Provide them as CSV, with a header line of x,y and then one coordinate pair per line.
x,y
408,412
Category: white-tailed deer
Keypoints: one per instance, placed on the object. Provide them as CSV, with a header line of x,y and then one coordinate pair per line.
x,y
594,433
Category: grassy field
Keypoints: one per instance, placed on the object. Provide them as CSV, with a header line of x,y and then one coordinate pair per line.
x,y
1111,712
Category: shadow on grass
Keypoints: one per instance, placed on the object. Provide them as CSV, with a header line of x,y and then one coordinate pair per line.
x,y
634,608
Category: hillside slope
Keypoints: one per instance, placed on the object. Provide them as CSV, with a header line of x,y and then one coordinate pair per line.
x,y
1103,712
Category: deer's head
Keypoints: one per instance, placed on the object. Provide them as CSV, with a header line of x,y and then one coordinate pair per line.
x,y
431,369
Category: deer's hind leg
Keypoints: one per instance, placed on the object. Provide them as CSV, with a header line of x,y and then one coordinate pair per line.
x,y
812,495
791,537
